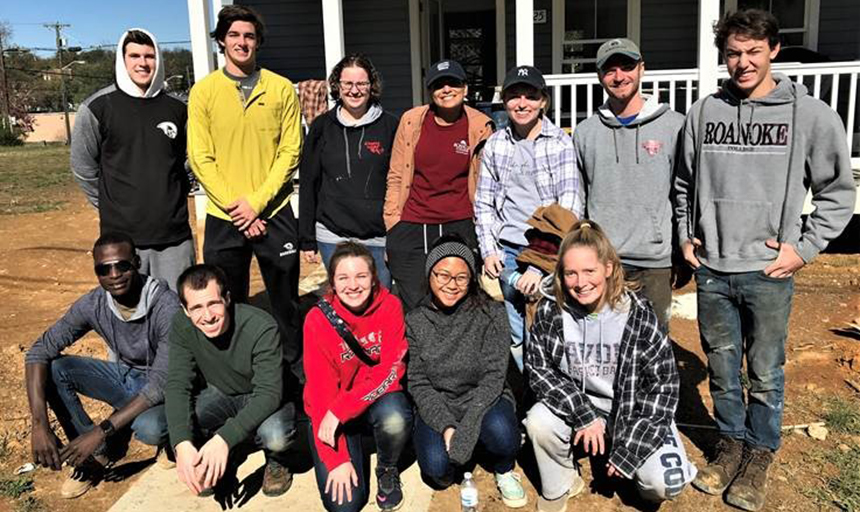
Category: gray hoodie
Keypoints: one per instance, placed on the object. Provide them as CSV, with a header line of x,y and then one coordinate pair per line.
x,y
140,342
746,167
627,172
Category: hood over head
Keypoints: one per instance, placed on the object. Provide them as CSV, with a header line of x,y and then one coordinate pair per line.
x,y
124,82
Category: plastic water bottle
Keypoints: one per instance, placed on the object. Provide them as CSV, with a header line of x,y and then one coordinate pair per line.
x,y
468,494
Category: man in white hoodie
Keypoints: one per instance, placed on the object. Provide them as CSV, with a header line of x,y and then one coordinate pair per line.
x,y
627,190
128,155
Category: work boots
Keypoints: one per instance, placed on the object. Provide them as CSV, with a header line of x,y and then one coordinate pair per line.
x,y
716,476
748,490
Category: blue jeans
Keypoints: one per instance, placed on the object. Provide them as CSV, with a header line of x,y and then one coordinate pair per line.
x,y
115,383
515,302
389,419
745,315
378,253
500,437
275,435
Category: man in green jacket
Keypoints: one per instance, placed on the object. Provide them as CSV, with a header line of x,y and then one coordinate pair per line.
x,y
236,350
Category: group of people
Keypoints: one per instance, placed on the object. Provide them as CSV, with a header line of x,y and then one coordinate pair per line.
x,y
584,234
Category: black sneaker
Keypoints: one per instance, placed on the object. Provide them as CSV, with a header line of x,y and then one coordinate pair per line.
x,y
748,490
389,495
717,475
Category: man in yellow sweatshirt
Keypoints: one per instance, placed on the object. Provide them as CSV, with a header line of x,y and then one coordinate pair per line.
x,y
244,143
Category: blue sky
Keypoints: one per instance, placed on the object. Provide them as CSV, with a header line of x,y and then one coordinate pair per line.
x,y
93,22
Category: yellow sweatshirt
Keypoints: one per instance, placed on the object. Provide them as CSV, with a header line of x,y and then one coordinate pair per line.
x,y
243,148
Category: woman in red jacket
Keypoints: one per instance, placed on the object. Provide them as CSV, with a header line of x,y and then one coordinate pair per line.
x,y
355,346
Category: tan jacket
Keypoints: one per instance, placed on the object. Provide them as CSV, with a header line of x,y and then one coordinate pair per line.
x,y
402,164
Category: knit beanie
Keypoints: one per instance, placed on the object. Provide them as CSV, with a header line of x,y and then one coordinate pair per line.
x,y
450,245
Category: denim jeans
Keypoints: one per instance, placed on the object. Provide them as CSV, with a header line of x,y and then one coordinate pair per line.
x,y
275,435
745,315
389,419
500,437
115,383
515,302
378,253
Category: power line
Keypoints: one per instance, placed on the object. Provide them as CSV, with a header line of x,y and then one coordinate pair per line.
x,y
58,73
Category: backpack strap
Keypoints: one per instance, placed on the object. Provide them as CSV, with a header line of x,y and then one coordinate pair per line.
x,y
343,330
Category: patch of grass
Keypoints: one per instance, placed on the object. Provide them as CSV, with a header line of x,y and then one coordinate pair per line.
x,y
842,416
29,504
843,488
15,487
32,177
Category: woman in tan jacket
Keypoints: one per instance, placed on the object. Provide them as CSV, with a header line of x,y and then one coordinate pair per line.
x,y
433,177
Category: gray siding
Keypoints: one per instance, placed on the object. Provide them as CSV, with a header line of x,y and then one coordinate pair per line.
x,y
669,40
543,37
380,29
838,34
294,38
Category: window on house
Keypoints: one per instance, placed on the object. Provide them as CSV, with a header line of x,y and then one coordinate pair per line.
x,y
790,13
587,25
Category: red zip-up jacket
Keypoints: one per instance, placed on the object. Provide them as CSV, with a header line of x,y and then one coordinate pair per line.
x,y
337,380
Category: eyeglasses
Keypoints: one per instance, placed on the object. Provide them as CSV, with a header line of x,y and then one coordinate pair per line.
x,y
121,266
347,86
443,278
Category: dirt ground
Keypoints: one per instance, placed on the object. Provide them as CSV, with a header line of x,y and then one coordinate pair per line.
x,y
45,264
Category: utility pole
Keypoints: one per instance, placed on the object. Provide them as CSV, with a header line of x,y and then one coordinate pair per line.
x,y
7,111
58,27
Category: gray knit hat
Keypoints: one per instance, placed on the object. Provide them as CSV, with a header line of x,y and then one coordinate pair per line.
x,y
450,246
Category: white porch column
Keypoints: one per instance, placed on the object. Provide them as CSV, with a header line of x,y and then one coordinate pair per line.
x,y
709,13
332,11
525,32
201,47
217,5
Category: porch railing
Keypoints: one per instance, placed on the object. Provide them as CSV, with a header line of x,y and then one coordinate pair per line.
x,y
576,96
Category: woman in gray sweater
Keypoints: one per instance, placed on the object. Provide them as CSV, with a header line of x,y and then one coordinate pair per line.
x,y
459,349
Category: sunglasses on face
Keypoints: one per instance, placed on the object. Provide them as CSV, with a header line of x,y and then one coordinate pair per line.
x,y
450,82
122,266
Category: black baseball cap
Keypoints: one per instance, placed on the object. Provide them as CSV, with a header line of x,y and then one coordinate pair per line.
x,y
443,69
528,75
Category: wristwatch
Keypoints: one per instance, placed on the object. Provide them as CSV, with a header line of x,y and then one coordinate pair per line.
x,y
107,427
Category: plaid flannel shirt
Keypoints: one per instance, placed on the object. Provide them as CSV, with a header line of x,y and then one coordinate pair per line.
x,y
646,386
556,174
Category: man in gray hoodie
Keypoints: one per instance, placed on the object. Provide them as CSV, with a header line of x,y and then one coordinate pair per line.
x,y
132,313
626,154
751,151
128,155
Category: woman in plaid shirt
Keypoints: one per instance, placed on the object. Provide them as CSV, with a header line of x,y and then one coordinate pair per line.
x,y
604,375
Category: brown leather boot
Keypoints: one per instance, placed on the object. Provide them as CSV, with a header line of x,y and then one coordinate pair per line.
x,y
717,475
748,490
276,479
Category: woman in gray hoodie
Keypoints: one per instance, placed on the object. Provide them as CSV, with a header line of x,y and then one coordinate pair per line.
x,y
604,374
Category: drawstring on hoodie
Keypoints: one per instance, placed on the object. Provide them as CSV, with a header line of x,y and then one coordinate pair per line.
x,y
781,232
615,142
637,143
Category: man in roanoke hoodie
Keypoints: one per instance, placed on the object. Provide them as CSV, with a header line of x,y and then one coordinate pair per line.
x,y
626,154
751,151
132,313
128,155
